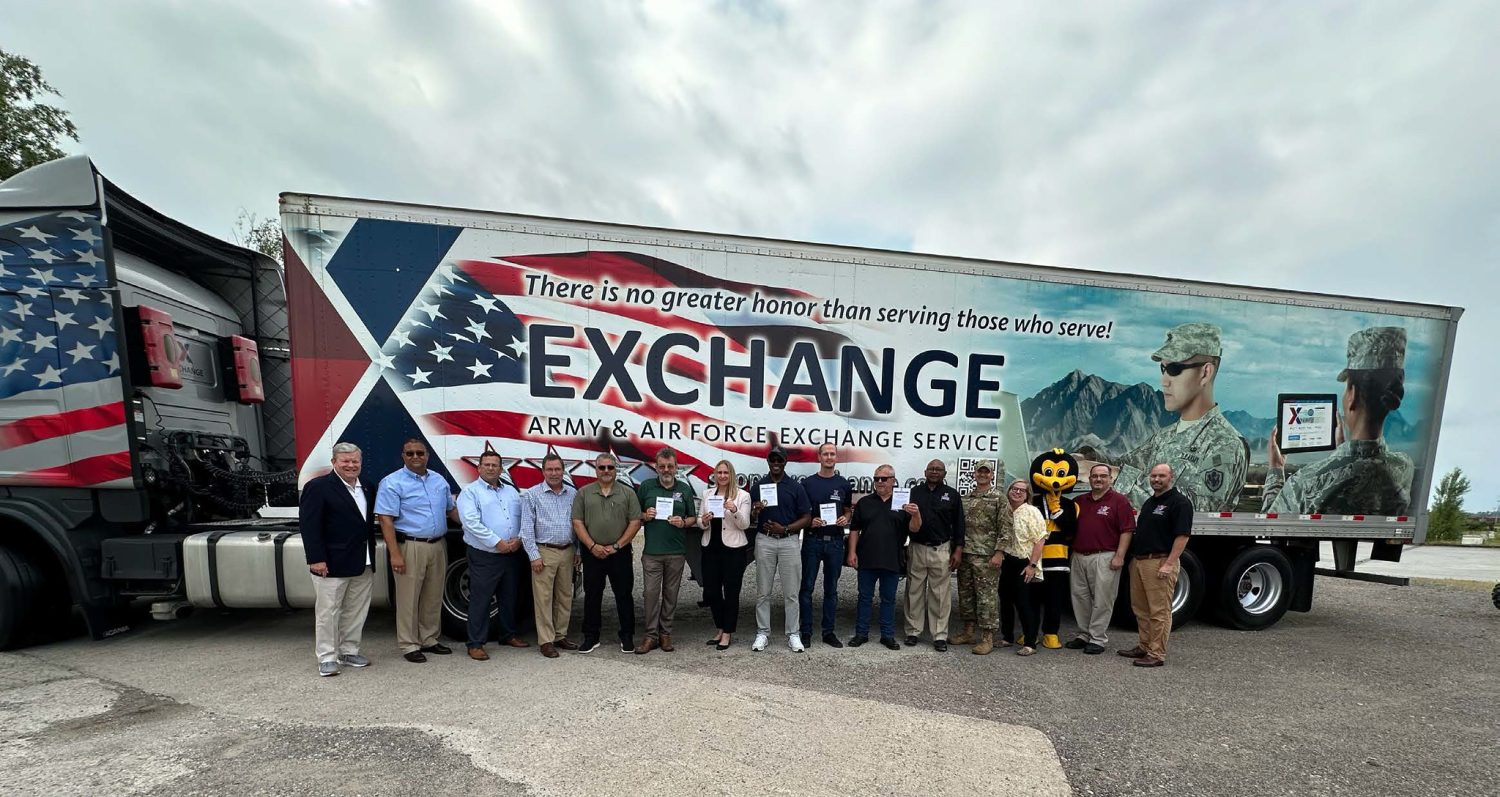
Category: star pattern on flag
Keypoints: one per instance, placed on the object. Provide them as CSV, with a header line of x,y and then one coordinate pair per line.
x,y
456,333
56,249
43,347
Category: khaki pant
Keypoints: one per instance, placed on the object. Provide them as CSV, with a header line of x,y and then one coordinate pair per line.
x,y
339,611
552,593
419,594
929,590
1094,589
773,556
1151,600
663,575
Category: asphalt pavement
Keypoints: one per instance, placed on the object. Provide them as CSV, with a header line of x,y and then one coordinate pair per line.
x,y
1379,690
1461,562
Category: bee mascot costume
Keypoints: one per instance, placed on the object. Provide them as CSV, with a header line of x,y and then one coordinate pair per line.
x,y
1052,474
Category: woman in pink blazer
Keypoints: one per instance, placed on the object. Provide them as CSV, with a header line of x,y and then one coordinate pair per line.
x,y
724,551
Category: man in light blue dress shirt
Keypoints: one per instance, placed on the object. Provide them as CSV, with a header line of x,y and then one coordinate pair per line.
x,y
414,506
547,536
491,515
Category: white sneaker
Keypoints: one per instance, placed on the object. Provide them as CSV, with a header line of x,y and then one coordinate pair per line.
x,y
794,641
761,640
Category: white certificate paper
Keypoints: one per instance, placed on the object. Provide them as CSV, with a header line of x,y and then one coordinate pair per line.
x,y
664,508
768,495
901,496
716,505
829,513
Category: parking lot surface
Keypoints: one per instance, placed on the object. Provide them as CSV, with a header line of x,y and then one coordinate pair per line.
x,y
1379,690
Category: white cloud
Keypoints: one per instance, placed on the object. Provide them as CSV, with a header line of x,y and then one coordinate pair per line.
x,y
1342,147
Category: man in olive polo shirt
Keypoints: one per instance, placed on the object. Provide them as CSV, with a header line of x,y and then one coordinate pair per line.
x,y
666,547
606,516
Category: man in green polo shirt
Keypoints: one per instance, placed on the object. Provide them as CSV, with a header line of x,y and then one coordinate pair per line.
x,y
666,547
606,516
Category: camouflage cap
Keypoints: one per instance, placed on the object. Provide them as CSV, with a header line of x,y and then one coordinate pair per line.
x,y
1185,341
1376,347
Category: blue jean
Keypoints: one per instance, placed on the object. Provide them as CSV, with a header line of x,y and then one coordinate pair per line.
x,y
888,580
829,552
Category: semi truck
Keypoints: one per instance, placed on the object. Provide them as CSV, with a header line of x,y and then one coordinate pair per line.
x,y
162,392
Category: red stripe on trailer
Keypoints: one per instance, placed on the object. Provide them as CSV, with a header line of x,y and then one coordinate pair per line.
x,y
1226,514
1314,517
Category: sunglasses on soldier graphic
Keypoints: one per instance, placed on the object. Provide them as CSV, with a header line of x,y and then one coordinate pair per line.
x,y
1176,369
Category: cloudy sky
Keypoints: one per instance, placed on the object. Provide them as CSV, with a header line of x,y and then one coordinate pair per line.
x,y
1333,147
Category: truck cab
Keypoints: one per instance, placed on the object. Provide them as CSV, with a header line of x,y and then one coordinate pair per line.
x,y
136,354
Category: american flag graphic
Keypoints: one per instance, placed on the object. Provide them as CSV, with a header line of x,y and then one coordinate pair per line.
x,y
451,360
62,411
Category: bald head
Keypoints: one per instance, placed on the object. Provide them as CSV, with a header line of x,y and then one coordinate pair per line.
x,y
1161,478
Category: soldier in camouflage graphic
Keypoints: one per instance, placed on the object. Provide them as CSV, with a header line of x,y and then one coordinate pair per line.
x,y
1204,449
986,521
1362,476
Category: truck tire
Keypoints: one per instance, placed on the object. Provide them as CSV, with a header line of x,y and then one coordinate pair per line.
x,y
1186,600
1256,588
20,598
456,601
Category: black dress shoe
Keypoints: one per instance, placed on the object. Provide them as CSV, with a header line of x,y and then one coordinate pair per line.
x,y
1076,643
806,638
415,657
911,640
832,640
890,642
1092,649
940,645
440,649
856,641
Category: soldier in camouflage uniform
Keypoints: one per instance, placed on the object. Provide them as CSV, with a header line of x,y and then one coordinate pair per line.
x,y
987,516
1362,476
1204,449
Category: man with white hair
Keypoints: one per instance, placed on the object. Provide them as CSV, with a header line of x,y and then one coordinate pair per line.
x,y
338,538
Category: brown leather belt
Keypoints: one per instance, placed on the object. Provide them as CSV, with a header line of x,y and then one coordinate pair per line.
x,y
1152,555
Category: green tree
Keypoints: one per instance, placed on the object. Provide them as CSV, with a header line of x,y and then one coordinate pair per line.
x,y
1445,518
261,235
29,130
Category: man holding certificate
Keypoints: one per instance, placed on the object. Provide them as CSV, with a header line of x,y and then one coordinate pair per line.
x,y
667,508
878,526
781,510
831,496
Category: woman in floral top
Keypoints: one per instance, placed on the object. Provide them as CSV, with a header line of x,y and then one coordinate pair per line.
x,y
1020,573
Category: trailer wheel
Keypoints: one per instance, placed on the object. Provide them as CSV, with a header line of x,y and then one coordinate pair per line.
x,y
20,598
456,600
1256,588
1186,599
1191,587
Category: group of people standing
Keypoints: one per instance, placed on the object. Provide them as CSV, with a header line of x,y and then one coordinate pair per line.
x,y
790,528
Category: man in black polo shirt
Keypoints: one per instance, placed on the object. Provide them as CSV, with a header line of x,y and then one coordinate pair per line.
x,y
935,552
1161,533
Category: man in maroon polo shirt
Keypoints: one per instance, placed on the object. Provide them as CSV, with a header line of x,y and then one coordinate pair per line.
x,y
1106,522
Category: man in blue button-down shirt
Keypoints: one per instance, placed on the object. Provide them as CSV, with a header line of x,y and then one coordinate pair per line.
x,y
414,506
491,514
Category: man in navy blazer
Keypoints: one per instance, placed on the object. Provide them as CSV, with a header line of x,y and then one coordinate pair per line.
x,y
338,536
